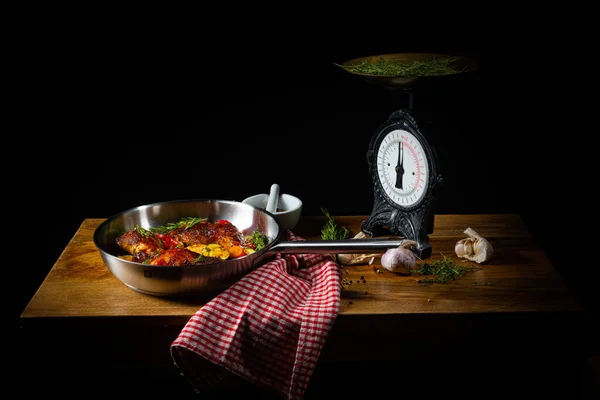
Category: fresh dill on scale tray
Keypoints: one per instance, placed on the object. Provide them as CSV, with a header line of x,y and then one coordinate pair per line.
x,y
393,67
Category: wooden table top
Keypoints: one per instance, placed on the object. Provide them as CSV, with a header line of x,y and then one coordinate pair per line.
x,y
518,279
517,304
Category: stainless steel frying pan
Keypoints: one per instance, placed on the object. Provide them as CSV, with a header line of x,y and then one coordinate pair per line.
x,y
210,278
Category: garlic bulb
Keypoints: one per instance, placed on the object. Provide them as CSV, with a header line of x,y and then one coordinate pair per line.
x,y
474,248
356,259
401,259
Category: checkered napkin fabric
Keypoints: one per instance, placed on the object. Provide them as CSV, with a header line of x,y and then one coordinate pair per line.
x,y
268,328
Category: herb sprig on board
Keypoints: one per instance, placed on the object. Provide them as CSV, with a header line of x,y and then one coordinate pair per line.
x,y
185,222
441,271
391,67
331,230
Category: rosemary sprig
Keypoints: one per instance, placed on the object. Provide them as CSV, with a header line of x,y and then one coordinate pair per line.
x,y
142,231
331,231
186,223
442,271
391,67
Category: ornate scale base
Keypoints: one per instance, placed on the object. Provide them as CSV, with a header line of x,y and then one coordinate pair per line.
x,y
385,220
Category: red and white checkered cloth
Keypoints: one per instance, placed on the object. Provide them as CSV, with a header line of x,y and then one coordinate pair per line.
x,y
269,327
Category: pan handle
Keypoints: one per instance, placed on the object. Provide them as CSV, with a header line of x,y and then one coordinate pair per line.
x,y
336,246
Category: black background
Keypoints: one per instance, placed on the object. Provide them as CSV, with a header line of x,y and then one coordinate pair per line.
x,y
116,115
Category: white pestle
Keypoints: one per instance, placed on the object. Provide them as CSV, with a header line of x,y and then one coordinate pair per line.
x,y
273,199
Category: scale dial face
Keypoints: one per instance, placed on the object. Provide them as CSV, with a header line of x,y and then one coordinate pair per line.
x,y
403,168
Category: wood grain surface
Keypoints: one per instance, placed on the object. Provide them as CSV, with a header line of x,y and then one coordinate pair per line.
x,y
519,278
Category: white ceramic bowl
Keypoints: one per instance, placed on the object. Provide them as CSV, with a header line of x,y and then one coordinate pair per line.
x,y
288,211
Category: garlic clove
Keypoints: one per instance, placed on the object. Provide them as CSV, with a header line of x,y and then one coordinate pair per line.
x,y
356,259
483,250
474,248
345,259
469,247
459,248
472,234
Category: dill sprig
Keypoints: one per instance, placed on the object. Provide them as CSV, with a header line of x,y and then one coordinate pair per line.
x,y
442,271
391,67
185,222
331,231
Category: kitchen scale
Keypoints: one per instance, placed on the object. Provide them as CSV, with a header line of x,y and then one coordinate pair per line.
x,y
403,165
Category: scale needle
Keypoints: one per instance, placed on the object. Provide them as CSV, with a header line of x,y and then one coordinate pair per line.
x,y
400,166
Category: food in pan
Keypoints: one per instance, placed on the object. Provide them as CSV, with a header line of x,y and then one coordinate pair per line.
x,y
190,241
